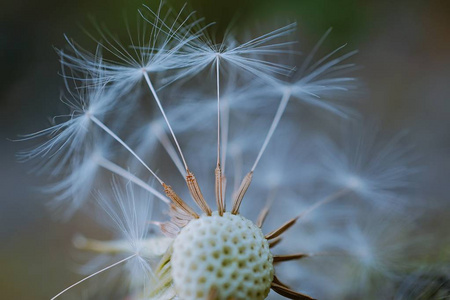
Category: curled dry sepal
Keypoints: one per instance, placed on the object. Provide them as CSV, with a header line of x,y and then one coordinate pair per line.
x,y
228,112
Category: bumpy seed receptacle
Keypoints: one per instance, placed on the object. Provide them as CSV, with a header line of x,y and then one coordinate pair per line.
x,y
228,254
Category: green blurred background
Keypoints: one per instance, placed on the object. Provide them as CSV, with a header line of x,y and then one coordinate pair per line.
x,y
404,50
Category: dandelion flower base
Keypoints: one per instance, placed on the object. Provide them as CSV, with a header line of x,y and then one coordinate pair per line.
x,y
226,255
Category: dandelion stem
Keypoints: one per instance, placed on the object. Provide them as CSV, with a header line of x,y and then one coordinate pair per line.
x,y
94,274
152,89
168,146
248,178
225,123
112,134
218,171
275,122
109,165
218,107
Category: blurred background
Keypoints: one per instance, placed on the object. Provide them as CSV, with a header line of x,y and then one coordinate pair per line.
x,y
404,51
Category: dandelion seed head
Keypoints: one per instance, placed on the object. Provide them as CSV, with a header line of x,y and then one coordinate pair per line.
x,y
244,139
227,253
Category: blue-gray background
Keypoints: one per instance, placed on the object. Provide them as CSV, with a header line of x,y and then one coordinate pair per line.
x,y
404,50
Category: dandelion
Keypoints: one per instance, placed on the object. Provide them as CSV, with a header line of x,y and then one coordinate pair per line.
x,y
201,251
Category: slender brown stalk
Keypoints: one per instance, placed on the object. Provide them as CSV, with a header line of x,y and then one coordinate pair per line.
x,y
288,293
196,193
281,258
241,193
178,201
219,190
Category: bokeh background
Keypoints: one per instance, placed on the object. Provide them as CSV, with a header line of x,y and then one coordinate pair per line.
x,y
404,53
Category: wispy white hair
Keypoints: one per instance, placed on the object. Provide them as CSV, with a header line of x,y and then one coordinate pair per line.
x,y
74,134
154,50
376,170
127,212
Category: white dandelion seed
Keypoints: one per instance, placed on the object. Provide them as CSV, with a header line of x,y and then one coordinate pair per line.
x,y
134,252
77,143
154,50
378,172
72,191
250,56
382,249
71,136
